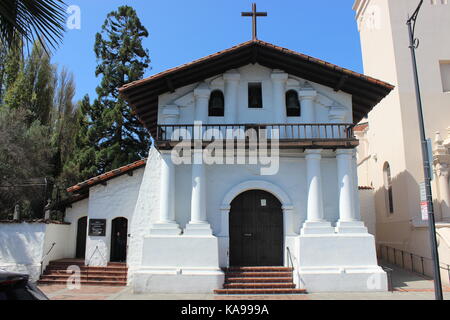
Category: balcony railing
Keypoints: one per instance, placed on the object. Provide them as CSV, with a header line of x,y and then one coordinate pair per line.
x,y
208,132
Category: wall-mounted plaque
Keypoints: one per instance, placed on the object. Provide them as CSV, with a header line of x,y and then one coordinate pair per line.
x,y
97,227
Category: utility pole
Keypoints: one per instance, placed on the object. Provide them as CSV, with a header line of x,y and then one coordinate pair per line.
x,y
413,45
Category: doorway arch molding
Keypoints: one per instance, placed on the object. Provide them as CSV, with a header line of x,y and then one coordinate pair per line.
x,y
257,185
279,193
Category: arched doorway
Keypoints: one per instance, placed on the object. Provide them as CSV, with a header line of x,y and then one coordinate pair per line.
x,y
256,230
119,237
81,238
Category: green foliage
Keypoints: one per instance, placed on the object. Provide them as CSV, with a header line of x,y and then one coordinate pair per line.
x,y
113,135
25,154
31,85
44,135
37,129
31,20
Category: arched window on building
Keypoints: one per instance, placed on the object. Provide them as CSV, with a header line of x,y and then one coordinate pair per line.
x,y
216,104
292,104
388,187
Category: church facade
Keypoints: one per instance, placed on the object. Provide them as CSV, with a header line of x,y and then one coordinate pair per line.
x,y
395,169
253,165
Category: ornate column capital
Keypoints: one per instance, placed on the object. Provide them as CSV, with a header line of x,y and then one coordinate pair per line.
x,y
313,153
232,75
337,112
202,91
447,141
170,113
345,152
279,76
307,92
442,170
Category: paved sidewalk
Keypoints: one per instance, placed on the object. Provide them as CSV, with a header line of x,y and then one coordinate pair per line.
x,y
407,286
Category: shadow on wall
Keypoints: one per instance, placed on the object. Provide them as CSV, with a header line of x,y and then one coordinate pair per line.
x,y
396,229
21,247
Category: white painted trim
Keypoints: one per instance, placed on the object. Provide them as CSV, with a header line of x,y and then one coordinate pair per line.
x,y
256,185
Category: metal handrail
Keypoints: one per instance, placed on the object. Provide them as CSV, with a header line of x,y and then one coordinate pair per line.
x,y
46,255
290,257
96,249
404,254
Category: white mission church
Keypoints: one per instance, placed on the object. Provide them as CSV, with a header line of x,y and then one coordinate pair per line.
x,y
250,187
200,227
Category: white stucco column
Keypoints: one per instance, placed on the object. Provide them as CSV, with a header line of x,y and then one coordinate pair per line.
x,y
307,96
279,79
202,94
231,94
442,172
166,224
198,225
315,222
348,220
170,114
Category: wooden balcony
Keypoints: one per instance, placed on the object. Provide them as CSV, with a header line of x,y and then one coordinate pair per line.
x,y
299,135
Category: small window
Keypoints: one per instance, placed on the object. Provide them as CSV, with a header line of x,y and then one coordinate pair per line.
x,y
388,187
216,104
255,95
292,104
445,75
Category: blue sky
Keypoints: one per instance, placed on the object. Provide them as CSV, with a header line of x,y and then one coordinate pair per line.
x,y
182,31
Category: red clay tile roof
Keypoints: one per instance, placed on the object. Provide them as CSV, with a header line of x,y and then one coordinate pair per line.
x,y
143,94
267,44
107,176
361,127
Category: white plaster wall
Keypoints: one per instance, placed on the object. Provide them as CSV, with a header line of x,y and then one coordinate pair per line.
x,y
184,98
222,178
393,134
78,210
21,247
116,199
368,214
147,205
24,245
56,234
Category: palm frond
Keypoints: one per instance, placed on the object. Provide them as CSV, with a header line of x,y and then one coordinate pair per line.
x,y
29,20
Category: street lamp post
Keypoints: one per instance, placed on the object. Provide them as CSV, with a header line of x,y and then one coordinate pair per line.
x,y
413,45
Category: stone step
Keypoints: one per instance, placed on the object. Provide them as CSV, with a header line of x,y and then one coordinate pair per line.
x,y
251,274
86,283
68,262
259,291
258,269
84,278
83,268
259,286
87,273
260,280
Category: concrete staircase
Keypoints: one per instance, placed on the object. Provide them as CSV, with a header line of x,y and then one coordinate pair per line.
x,y
259,280
115,274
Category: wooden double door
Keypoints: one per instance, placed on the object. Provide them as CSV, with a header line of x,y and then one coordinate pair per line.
x,y
256,230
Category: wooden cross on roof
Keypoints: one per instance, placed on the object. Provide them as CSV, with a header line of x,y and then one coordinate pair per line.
x,y
254,14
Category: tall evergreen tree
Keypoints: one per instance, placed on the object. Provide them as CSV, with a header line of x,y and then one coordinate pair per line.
x,y
120,138
82,163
